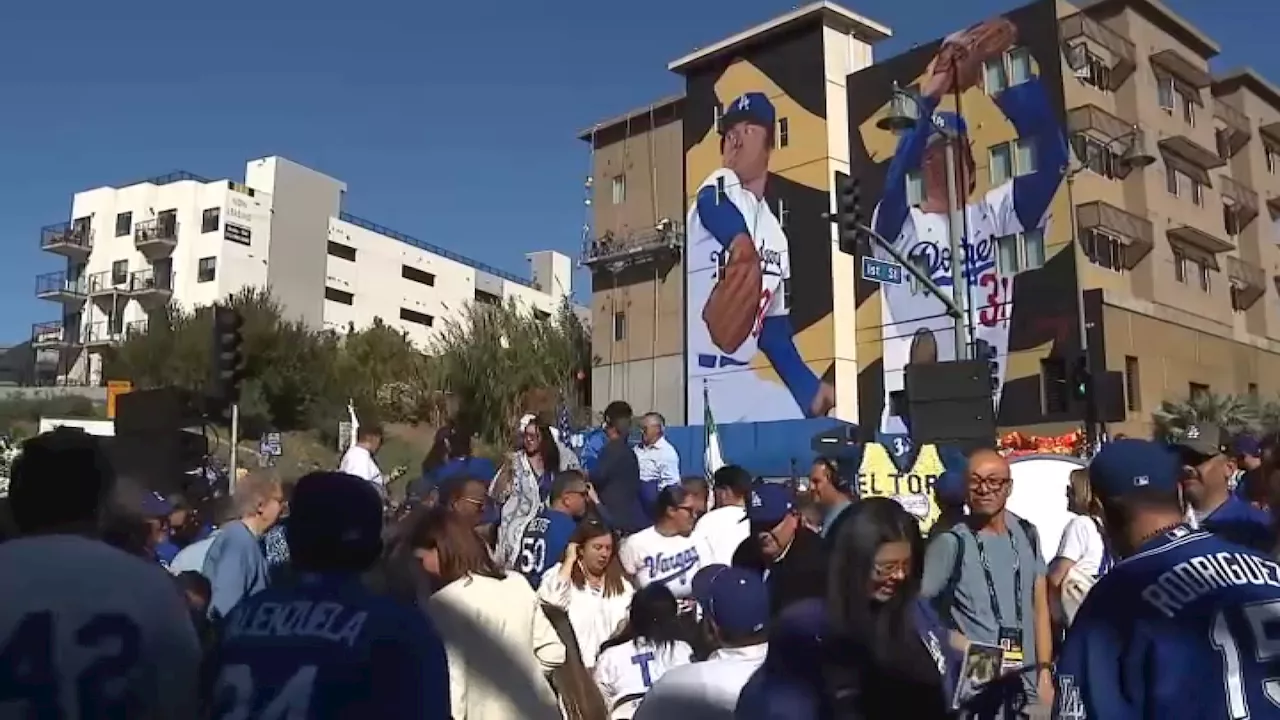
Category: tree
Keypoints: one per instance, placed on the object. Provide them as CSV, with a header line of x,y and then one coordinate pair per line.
x,y
1233,413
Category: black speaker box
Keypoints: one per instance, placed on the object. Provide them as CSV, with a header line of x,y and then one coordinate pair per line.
x,y
951,403
158,410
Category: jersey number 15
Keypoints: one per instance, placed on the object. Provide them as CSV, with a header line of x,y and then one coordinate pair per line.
x,y
1263,623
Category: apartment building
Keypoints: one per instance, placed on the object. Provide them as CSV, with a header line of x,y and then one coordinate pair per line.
x,y
1175,193
131,249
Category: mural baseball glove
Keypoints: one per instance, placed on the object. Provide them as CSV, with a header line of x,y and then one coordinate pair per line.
x,y
971,48
731,311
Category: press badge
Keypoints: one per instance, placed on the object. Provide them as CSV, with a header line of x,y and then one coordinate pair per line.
x,y
1011,643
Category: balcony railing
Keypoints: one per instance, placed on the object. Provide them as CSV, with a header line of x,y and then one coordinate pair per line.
x,y
1244,199
150,281
67,237
1137,232
1248,279
1237,131
107,282
58,284
663,241
1123,52
101,333
137,327
156,231
48,334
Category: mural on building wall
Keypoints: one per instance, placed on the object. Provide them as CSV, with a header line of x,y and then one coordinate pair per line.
x,y
758,180
993,92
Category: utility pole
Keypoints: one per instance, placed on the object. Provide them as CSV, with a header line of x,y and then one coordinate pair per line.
x,y
955,231
235,438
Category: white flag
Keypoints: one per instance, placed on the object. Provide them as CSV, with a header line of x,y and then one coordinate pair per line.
x,y
712,458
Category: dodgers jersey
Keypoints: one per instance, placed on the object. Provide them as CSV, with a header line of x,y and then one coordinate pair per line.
x,y
625,672
722,193
651,557
543,544
327,649
89,631
1187,628
909,308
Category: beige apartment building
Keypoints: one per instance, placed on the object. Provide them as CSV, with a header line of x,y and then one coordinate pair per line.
x,y
1174,184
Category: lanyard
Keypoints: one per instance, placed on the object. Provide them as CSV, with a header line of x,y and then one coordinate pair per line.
x,y
991,583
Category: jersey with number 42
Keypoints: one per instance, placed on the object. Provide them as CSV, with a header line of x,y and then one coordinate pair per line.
x,y
1189,627
327,649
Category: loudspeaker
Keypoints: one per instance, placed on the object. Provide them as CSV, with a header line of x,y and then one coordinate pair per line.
x,y
158,410
951,403
157,461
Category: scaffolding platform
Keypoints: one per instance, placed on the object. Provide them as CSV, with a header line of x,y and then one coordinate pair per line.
x,y
614,251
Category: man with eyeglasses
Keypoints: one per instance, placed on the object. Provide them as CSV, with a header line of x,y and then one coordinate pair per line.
x,y
547,536
792,557
1207,472
987,577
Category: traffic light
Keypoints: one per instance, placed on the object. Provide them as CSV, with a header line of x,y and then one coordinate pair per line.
x,y
228,359
1081,380
849,218
983,350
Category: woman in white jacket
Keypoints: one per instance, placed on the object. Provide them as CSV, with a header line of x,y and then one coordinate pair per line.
x,y
589,585
499,642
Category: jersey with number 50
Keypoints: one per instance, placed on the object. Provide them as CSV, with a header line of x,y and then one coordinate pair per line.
x,y
327,649
543,543
1189,627
89,631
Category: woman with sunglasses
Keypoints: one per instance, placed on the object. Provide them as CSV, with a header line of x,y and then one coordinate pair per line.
x,y
667,553
589,585
523,483
887,654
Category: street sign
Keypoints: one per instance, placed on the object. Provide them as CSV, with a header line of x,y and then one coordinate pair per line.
x,y
881,271
271,445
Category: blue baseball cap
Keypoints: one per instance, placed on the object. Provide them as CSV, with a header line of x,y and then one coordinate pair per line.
x,y
330,509
1124,466
769,504
1246,446
735,599
952,488
795,638
753,107
154,505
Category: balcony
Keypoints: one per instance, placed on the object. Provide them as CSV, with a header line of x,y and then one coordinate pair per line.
x,y
101,334
1271,130
137,327
72,240
1185,150
106,282
1135,232
1244,200
56,286
157,236
1189,236
151,285
1248,282
1235,133
613,252
1176,64
1123,52
54,335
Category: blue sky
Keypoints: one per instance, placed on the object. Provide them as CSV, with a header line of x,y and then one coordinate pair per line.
x,y
454,122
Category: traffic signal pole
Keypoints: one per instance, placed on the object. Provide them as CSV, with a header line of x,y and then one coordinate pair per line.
x,y
959,263
235,439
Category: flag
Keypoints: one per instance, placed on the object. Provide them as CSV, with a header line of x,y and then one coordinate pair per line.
x,y
564,423
712,459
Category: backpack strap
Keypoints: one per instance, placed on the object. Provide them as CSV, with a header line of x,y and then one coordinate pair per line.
x,y
946,598
1033,535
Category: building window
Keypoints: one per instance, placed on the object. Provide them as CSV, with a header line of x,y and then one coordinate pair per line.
x,y
237,233
486,298
1273,158
416,275
1197,191
416,318
119,272
619,189
1098,157
1104,250
717,117
210,219
1237,302
1011,68
1203,270
1252,391
1189,110
1023,251
1179,266
1092,70
339,296
784,133
1012,159
915,188
206,269
1165,93
1132,388
1053,380
783,213
1230,218
340,251
1172,182
124,223
619,326
1197,391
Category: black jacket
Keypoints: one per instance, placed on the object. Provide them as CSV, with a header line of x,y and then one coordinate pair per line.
x,y
616,478
799,575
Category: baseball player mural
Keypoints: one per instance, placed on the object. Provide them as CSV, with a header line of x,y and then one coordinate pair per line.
x,y
916,327
739,279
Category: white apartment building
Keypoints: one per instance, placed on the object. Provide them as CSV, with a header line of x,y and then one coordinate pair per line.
x,y
131,249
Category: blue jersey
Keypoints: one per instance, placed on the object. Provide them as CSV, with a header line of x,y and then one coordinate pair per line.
x,y
328,649
1189,627
1240,522
544,543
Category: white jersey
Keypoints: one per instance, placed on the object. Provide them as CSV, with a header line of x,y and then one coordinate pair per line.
x,y
721,531
651,557
99,633
625,672
908,310
727,369
707,690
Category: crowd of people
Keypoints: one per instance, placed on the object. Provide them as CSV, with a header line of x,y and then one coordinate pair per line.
x,y
540,588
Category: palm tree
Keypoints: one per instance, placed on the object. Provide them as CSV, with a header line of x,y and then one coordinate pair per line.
x,y
1232,413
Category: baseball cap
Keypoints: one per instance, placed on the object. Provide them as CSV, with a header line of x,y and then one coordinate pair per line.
x,y
154,505
1201,438
1246,446
952,488
1124,466
734,598
753,107
333,509
795,637
769,504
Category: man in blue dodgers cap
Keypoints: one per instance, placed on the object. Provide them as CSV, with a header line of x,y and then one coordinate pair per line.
x,y
1185,625
791,557
735,606
738,268
1211,505
325,648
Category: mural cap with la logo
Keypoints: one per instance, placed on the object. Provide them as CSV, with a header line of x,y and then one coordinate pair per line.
x,y
1201,439
753,107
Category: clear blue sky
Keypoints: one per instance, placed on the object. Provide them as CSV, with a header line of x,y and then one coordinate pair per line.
x,y
454,122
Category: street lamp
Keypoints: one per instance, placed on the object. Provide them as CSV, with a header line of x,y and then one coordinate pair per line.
x,y
904,113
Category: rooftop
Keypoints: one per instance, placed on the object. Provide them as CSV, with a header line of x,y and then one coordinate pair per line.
x,y
1163,17
833,15
639,112
1236,78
